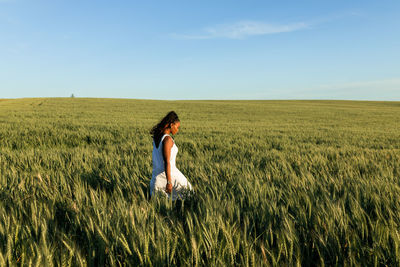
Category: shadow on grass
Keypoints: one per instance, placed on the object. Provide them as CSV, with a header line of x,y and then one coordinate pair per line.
x,y
96,180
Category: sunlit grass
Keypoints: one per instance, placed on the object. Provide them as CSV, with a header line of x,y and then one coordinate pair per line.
x,y
277,183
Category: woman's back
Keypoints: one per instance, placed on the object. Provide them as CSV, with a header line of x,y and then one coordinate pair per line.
x,y
158,159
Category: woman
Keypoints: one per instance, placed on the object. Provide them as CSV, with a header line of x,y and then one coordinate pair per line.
x,y
166,178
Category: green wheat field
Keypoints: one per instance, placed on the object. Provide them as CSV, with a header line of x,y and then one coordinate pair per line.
x,y
279,183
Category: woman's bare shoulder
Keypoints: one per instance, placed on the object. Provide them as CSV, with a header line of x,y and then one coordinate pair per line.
x,y
168,140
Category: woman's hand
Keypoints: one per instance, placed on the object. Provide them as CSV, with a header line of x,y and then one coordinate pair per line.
x,y
168,188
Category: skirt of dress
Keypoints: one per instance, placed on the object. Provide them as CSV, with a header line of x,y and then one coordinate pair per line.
x,y
180,184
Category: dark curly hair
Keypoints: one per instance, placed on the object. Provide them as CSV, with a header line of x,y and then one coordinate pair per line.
x,y
157,130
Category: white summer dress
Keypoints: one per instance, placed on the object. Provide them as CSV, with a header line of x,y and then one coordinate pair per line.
x,y
159,180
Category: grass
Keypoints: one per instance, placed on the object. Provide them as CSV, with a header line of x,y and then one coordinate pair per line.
x,y
277,183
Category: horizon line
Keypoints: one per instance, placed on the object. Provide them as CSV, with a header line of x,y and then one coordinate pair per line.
x,y
152,99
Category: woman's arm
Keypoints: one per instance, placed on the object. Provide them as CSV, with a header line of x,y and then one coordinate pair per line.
x,y
167,145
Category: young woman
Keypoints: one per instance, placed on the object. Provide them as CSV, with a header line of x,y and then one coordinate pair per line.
x,y
166,177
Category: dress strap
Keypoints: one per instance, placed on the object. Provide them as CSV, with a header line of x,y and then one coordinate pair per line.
x,y
162,138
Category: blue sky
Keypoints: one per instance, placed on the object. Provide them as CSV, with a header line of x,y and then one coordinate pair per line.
x,y
200,49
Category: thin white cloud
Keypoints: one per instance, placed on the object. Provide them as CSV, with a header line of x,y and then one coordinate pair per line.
x,y
243,29
387,84
385,89
379,90
246,28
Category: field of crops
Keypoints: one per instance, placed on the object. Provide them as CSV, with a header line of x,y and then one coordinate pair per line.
x,y
277,183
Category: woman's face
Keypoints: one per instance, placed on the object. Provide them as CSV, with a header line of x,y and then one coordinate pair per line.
x,y
175,127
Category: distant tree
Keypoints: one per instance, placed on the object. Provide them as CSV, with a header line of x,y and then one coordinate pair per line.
x,y
72,96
